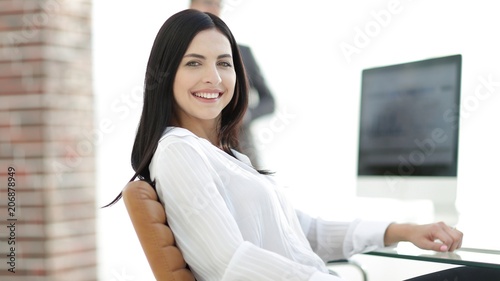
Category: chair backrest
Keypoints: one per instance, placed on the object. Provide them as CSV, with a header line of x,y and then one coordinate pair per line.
x,y
157,240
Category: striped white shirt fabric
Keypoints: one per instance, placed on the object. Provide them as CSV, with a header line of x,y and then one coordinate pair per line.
x,y
232,223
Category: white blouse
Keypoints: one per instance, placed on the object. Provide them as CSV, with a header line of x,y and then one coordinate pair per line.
x,y
232,223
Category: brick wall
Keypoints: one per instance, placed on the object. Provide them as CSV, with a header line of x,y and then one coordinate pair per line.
x,y
46,135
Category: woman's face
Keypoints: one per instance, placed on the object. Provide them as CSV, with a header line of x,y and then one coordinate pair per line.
x,y
205,80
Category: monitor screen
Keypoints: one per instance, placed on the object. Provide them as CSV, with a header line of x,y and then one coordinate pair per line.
x,y
409,118
408,133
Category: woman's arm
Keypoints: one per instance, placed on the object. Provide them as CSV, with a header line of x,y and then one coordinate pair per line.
x,y
334,240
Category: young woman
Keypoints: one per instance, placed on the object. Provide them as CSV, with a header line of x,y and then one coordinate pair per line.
x,y
230,220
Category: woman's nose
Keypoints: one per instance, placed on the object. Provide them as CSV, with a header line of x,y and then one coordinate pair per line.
x,y
212,76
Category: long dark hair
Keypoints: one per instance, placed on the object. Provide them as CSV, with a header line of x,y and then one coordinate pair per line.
x,y
169,47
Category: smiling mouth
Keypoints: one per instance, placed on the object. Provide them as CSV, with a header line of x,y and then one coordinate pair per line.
x,y
208,96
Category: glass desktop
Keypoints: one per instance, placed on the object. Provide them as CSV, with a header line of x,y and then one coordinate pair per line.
x,y
463,256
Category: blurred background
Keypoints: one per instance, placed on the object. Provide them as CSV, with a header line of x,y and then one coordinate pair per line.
x,y
311,54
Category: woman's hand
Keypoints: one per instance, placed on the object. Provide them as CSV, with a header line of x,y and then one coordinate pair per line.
x,y
435,236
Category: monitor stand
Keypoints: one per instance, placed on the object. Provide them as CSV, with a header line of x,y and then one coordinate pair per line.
x,y
441,191
446,212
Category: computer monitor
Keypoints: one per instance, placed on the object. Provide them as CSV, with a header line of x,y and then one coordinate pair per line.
x,y
408,133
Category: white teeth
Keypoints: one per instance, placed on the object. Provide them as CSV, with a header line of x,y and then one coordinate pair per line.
x,y
207,95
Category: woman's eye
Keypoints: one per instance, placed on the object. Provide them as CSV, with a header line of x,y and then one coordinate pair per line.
x,y
192,63
225,64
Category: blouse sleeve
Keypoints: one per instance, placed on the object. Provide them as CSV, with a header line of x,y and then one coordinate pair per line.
x,y
204,228
333,240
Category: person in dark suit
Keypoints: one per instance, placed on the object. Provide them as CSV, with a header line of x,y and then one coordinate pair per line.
x,y
261,102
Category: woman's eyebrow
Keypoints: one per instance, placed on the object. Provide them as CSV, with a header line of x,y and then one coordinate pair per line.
x,y
198,56
224,56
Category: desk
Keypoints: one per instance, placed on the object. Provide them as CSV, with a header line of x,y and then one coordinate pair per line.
x,y
463,256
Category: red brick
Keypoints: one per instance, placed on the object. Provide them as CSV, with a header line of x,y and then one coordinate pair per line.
x,y
78,243
21,133
22,69
28,100
20,85
15,7
10,118
70,228
74,195
18,38
62,262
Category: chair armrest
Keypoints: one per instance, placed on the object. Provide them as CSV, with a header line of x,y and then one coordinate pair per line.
x,y
355,264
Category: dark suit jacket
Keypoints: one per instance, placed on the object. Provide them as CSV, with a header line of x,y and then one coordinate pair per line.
x,y
266,103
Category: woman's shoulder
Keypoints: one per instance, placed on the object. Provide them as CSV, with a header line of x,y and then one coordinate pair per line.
x,y
176,134
176,137
177,131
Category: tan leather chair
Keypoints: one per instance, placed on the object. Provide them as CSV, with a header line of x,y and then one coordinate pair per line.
x,y
157,240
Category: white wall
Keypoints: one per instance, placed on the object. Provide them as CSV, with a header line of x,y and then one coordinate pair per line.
x,y
317,85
